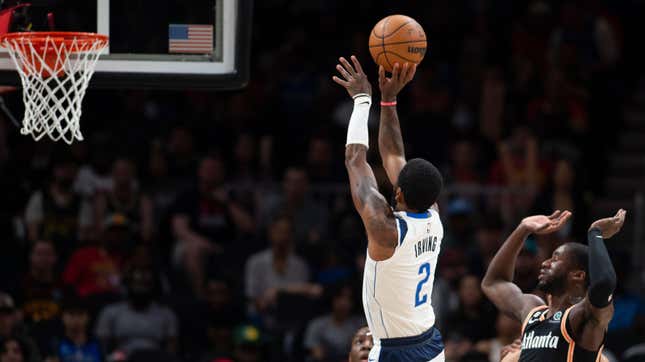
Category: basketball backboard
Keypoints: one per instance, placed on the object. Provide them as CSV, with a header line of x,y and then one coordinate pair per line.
x,y
166,44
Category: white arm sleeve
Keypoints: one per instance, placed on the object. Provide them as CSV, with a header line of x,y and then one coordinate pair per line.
x,y
357,131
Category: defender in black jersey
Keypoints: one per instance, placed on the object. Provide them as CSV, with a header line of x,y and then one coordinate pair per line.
x,y
580,280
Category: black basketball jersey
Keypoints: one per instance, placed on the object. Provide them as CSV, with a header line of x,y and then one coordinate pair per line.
x,y
549,339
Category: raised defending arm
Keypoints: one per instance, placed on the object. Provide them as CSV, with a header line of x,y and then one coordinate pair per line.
x,y
498,282
590,318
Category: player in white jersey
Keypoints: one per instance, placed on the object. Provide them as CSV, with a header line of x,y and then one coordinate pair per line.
x,y
404,242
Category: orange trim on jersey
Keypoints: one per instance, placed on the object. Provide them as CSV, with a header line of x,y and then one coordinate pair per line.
x,y
528,316
567,337
572,348
563,326
599,357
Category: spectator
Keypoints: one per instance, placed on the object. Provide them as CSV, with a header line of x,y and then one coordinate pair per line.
x,y
16,342
125,198
309,217
489,238
475,316
460,223
463,164
205,221
56,212
160,186
95,271
244,156
493,94
530,34
564,193
13,349
520,169
362,343
220,299
508,330
140,322
561,113
246,172
181,155
220,341
452,266
583,40
248,341
41,292
327,336
518,163
320,161
94,176
332,265
277,270
444,301
76,344
210,324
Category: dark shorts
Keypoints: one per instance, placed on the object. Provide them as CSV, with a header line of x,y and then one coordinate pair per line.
x,y
425,347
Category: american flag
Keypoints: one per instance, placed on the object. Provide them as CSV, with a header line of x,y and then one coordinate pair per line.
x,y
189,38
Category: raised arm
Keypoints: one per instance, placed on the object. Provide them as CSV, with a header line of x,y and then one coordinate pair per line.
x,y
374,210
590,318
390,141
498,282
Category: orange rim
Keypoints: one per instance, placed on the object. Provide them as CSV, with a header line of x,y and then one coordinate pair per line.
x,y
59,37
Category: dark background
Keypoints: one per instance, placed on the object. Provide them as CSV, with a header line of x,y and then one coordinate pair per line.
x,y
563,78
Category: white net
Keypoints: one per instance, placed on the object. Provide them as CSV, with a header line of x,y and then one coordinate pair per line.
x,y
55,72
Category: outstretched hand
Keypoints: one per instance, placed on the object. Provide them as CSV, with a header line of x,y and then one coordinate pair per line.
x,y
390,87
541,224
353,78
609,226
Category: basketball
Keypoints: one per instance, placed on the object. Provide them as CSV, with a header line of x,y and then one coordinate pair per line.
x,y
397,39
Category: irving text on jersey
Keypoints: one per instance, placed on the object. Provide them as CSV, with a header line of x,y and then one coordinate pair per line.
x,y
425,245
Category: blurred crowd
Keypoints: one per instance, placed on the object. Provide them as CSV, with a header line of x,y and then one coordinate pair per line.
x,y
197,226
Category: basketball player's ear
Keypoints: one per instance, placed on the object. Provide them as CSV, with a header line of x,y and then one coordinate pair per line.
x,y
398,196
578,276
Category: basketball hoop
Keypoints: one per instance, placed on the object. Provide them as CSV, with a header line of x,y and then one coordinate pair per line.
x,y
55,69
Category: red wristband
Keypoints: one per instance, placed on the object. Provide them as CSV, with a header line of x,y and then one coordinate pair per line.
x,y
388,104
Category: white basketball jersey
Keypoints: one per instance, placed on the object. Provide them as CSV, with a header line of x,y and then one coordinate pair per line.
x,y
397,291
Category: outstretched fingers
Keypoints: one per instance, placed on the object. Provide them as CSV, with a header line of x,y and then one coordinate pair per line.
x,y
567,215
340,81
357,65
404,72
396,72
621,214
348,67
555,215
563,218
343,72
619,218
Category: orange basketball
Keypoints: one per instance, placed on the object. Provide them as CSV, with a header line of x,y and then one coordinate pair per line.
x,y
397,39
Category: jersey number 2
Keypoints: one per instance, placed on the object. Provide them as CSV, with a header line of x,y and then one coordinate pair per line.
x,y
423,269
